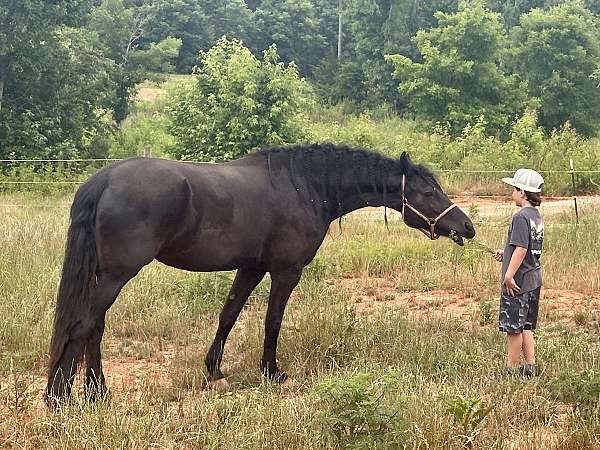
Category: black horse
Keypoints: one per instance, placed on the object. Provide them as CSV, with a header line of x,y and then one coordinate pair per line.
x,y
266,212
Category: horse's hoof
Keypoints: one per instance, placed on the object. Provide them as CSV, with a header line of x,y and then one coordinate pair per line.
x,y
221,385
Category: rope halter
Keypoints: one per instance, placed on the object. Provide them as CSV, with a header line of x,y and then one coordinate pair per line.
x,y
431,222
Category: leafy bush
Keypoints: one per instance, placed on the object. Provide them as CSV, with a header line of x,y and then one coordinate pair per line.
x,y
355,416
142,132
468,413
45,178
237,103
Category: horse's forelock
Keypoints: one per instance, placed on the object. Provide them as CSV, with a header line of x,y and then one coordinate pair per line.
x,y
426,173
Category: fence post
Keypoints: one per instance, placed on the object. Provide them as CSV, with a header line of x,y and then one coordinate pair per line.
x,y
147,152
574,195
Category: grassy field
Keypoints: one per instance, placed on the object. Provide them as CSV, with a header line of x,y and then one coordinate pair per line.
x,y
391,341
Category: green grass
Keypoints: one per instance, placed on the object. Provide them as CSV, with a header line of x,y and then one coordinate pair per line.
x,y
378,380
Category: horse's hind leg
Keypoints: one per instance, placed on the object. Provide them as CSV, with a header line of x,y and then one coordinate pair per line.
x,y
84,341
95,385
245,282
107,291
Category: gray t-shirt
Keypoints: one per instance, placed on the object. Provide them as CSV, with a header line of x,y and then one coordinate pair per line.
x,y
526,230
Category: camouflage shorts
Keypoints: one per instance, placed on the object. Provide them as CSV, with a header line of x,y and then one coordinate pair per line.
x,y
520,312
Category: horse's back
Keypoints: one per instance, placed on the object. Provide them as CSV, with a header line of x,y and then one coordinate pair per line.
x,y
188,215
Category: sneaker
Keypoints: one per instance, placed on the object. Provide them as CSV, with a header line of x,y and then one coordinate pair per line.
x,y
531,370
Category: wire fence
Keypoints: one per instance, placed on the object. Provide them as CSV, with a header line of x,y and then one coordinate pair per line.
x,y
50,175
105,161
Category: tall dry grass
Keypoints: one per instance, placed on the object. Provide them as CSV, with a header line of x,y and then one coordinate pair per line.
x,y
349,368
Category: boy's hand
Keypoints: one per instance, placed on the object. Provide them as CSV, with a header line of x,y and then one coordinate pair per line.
x,y
499,255
511,286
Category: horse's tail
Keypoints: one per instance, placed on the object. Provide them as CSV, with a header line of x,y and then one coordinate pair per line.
x,y
78,278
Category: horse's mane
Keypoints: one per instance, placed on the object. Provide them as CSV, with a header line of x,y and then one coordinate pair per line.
x,y
318,162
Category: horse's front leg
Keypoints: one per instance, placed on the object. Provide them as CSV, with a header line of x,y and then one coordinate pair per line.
x,y
245,282
282,285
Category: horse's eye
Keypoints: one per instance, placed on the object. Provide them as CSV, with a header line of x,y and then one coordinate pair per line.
x,y
428,193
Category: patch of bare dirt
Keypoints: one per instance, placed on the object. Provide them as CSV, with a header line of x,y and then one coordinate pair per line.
x,y
127,377
126,374
371,294
568,305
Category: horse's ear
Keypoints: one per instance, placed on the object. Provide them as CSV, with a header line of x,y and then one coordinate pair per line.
x,y
406,162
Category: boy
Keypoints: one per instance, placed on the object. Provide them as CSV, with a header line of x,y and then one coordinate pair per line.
x,y
522,273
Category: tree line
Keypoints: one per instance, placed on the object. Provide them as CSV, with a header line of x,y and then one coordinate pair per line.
x,y
69,68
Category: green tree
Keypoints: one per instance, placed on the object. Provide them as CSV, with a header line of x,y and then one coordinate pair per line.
x,y
326,14
197,24
593,6
512,10
337,80
182,19
293,27
365,20
380,27
460,79
237,103
119,31
557,53
25,26
54,84
405,18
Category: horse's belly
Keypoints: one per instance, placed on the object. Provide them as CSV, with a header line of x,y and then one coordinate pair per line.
x,y
211,253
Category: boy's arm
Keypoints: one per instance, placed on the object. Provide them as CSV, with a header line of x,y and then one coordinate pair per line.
x,y
515,262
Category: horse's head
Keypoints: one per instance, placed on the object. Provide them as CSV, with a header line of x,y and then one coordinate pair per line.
x,y
425,206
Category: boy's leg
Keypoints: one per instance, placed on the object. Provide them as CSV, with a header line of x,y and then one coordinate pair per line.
x,y
512,318
528,347
531,368
533,300
514,344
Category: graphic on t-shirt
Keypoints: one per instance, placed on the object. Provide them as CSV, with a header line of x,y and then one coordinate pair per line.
x,y
537,237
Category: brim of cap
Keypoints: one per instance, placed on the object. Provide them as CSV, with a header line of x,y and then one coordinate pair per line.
x,y
520,186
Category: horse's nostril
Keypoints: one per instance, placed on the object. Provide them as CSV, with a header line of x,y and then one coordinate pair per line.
x,y
469,227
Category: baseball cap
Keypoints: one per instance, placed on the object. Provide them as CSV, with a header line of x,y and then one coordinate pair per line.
x,y
526,179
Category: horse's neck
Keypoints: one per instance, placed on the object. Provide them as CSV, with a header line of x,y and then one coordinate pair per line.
x,y
337,182
344,193
354,198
